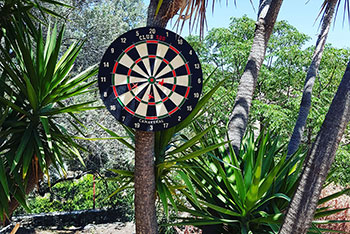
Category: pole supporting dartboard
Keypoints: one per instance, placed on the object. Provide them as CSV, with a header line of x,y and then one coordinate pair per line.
x,y
150,79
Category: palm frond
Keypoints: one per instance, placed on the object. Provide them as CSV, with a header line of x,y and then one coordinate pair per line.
x,y
326,4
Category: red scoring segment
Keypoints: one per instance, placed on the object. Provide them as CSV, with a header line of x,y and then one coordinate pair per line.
x,y
115,67
152,41
171,112
129,48
115,91
128,110
175,50
151,117
187,92
188,69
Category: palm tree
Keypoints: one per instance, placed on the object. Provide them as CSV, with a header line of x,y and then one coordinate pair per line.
x,y
320,158
318,162
144,173
305,104
267,15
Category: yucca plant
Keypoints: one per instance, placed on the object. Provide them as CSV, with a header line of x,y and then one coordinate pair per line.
x,y
247,193
35,83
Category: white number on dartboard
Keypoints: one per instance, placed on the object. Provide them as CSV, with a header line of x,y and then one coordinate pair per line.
x,y
112,50
197,66
103,79
123,118
106,64
196,95
165,125
190,52
180,41
123,40
179,118
113,107
152,31
151,127
105,94
137,125
189,108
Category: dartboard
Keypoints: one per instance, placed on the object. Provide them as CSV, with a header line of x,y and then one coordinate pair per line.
x,y
150,79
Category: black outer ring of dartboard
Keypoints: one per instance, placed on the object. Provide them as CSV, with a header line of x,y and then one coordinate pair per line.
x,y
106,86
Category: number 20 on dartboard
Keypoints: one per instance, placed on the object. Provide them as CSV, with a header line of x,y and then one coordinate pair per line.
x,y
150,79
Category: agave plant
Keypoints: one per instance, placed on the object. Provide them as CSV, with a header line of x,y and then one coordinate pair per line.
x,y
245,193
35,82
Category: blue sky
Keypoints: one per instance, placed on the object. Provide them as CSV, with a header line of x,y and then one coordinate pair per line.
x,y
299,13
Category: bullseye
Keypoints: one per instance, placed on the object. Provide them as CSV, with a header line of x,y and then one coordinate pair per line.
x,y
151,80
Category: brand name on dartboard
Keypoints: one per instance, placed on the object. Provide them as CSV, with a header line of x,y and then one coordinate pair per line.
x,y
150,36
158,121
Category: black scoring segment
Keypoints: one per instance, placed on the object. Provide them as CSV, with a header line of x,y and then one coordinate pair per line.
x,y
152,48
160,68
121,69
160,92
151,111
181,90
181,71
133,54
152,61
170,55
122,89
142,93
170,105
133,105
142,66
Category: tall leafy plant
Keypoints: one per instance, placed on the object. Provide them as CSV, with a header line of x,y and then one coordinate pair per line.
x,y
35,83
245,193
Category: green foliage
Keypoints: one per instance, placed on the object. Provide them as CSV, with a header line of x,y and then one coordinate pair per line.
x,y
243,193
78,195
35,82
98,24
279,88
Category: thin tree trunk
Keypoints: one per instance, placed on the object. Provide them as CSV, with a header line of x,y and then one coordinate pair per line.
x,y
268,11
317,164
145,184
310,80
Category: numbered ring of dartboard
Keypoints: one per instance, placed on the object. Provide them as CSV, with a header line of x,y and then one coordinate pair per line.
x,y
150,79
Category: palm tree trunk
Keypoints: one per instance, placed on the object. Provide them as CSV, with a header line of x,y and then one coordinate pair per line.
x,y
310,80
268,11
317,164
145,185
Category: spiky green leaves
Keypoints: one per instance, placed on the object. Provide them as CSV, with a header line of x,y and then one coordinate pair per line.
x,y
36,81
